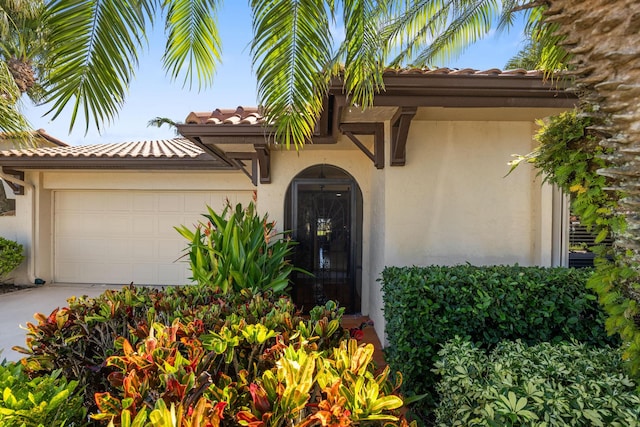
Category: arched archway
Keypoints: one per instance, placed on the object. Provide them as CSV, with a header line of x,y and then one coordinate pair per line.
x,y
323,211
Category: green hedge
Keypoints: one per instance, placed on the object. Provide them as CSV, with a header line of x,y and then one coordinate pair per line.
x,y
426,307
547,384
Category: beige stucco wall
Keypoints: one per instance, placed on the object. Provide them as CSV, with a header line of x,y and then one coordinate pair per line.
x,y
456,205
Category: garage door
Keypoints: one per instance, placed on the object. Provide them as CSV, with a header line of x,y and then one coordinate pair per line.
x,y
119,237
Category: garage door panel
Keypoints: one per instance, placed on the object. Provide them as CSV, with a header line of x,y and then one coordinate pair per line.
x,y
116,202
144,203
127,236
171,202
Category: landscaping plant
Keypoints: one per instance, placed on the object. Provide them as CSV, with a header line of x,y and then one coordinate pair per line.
x,y
193,355
48,400
238,249
426,307
566,384
10,257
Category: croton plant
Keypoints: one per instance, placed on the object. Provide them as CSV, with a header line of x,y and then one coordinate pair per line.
x,y
193,357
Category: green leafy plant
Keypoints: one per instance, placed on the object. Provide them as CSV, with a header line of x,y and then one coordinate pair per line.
x,y
11,257
547,384
48,400
569,155
179,377
426,307
131,346
237,249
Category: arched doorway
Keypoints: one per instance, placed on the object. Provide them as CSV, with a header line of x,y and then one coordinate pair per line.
x,y
323,208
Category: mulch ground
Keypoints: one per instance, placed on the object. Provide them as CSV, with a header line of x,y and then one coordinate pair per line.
x,y
5,289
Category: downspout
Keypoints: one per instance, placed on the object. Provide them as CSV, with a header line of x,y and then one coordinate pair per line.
x,y
31,268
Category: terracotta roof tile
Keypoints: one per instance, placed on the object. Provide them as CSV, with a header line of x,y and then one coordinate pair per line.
x,y
239,115
463,71
173,148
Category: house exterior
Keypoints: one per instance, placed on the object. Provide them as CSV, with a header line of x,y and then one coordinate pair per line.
x,y
417,179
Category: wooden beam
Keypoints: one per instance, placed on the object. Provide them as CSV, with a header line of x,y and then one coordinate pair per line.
x,y
264,161
238,158
363,128
400,124
17,189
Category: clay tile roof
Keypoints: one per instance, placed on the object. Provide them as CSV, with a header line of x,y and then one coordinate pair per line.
x,y
231,116
463,71
163,149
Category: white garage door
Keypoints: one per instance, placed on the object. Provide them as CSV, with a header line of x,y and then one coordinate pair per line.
x,y
119,237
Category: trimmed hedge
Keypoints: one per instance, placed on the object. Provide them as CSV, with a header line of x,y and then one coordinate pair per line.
x,y
564,384
428,306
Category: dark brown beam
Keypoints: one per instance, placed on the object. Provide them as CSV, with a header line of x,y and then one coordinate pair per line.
x,y
377,130
400,124
18,189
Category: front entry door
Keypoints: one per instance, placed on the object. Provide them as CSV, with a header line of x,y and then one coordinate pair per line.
x,y
323,220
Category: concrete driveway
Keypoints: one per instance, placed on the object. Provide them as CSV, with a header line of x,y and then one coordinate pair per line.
x,y
17,308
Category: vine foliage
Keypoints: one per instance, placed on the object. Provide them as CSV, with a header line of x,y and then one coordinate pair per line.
x,y
569,155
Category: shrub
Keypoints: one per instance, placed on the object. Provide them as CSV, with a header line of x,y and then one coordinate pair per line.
x,y
48,400
426,307
546,384
246,374
10,257
139,349
237,249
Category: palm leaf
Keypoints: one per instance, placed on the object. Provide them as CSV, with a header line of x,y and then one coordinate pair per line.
x,y
436,30
12,122
193,40
471,21
291,51
364,61
95,46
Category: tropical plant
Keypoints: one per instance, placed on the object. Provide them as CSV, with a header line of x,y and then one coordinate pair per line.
x,y
261,378
547,384
238,249
192,355
94,47
48,400
11,256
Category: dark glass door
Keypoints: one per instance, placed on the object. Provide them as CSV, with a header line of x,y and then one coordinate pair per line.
x,y
323,219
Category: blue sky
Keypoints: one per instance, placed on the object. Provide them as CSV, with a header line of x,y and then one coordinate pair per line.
x,y
153,94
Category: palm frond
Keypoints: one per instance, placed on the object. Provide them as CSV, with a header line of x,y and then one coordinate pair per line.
x,y
363,47
161,121
95,47
291,52
193,40
427,31
471,20
11,119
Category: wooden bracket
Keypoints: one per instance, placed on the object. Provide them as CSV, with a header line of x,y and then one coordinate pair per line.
x,y
260,163
399,131
377,130
18,189
264,161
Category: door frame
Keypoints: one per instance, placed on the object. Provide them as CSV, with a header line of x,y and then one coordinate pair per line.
x,y
355,219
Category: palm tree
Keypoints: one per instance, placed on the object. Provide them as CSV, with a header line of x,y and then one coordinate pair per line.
x,y
94,47
21,42
604,39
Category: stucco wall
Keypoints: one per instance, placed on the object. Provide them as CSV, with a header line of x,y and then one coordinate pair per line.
x,y
453,204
